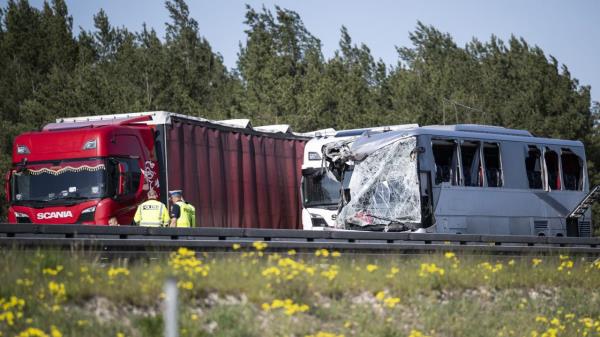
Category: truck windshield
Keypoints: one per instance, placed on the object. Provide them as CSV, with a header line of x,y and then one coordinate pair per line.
x,y
320,188
65,180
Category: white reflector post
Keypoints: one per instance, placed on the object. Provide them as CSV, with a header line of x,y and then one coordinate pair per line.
x,y
170,313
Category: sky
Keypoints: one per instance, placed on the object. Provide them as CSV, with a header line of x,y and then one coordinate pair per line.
x,y
568,30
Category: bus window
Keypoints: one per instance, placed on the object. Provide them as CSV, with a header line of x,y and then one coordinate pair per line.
x,y
446,163
551,159
572,170
471,164
493,166
533,165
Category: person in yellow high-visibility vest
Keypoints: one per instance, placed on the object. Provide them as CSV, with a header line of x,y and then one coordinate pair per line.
x,y
183,214
152,212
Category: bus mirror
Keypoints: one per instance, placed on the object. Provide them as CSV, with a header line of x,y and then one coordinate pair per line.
x,y
121,186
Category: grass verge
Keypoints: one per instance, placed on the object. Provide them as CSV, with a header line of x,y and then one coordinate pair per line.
x,y
257,293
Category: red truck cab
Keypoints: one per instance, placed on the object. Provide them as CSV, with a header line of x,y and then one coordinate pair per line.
x,y
82,173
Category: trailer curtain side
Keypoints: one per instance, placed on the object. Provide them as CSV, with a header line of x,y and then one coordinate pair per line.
x,y
236,177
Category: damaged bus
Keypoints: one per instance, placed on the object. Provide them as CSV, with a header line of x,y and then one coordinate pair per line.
x,y
320,187
463,179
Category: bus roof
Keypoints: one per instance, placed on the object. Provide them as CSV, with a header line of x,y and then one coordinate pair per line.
x,y
371,143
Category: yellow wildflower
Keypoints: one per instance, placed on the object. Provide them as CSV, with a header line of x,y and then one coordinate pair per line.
x,y
271,271
32,332
393,271
371,268
114,272
183,251
324,334
391,302
52,272
54,332
185,261
24,282
492,268
57,289
185,285
236,246
430,268
588,322
288,306
416,333
259,245
331,273
8,316
551,332
322,252
568,264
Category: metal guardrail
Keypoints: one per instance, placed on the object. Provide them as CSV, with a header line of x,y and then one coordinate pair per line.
x,y
146,239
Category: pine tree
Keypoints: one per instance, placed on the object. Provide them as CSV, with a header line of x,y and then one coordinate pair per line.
x,y
278,53
198,78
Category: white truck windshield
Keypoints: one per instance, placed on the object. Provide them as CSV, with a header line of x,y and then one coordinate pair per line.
x,y
320,188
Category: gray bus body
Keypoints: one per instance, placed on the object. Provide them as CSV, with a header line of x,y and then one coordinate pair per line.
x,y
466,179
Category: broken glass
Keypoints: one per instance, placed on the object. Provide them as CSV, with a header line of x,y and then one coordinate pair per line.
x,y
384,189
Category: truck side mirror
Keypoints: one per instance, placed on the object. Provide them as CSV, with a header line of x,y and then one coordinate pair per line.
x,y
121,185
144,185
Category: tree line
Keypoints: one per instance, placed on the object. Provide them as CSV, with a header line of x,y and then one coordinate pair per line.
x,y
47,70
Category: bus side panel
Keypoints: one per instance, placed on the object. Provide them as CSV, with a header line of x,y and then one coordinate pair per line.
x,y
510,209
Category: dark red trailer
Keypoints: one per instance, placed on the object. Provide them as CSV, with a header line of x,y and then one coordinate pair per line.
x,y
89,169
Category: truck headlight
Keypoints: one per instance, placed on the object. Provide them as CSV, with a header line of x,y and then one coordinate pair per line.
x,y
90,144
314,156
22,149
317,220
89,210
87,215
22,217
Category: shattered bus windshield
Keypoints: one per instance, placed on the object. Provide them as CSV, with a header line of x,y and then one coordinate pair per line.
x,y
65,181
384,189
320,188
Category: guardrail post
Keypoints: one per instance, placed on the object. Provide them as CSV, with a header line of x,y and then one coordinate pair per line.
x,y
170,309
